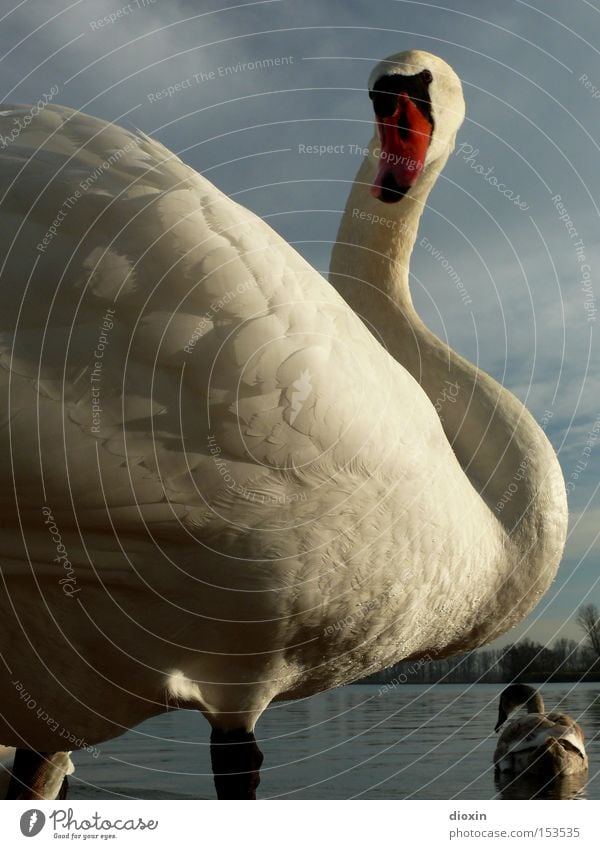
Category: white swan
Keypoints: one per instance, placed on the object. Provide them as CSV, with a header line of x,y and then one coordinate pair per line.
x,y
539,743
51,782
220,489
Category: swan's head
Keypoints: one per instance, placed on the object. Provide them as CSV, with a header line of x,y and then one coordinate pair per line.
x,y
513,697
419,106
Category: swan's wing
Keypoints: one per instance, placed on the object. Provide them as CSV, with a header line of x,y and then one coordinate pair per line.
x,y
162,349
575,730
529,732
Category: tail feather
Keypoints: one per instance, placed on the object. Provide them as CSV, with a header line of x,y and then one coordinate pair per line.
x,y
558,756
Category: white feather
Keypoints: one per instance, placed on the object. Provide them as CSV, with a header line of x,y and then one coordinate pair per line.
x,y
258,469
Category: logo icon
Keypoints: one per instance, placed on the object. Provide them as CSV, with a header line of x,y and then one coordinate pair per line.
x,y
32,822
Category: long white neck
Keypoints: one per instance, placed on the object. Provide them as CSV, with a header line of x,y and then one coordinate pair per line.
x,y
502,450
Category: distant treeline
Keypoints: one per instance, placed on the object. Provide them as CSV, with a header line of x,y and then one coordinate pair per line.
x,y
565,660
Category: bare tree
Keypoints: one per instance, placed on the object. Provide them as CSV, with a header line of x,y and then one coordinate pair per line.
x,y
588,619
524,658
566,655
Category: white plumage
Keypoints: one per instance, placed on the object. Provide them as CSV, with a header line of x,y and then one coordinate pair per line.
x,y
230,461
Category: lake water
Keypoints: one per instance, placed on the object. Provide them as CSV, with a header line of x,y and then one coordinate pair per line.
x,y
410,742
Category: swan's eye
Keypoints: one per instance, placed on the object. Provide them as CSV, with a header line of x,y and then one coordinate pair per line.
x,y
426,76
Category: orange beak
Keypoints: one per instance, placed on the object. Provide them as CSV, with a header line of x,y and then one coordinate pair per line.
x,y
405,135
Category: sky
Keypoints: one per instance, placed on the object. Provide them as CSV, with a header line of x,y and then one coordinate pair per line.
x,y
531,79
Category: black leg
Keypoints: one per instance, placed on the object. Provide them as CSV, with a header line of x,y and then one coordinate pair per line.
x,y
30,773
64,789
236,761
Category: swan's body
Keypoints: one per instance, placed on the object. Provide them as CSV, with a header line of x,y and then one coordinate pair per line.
x,y
539,743
260,469
54,785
